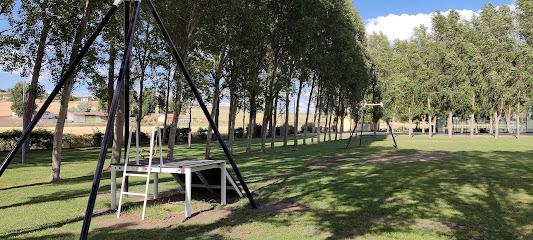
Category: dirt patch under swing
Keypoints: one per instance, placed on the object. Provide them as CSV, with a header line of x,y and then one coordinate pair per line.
x,y
407,157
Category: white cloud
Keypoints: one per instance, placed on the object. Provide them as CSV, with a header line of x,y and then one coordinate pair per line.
x,y
401,26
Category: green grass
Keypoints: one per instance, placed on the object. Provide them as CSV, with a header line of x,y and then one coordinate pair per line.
x,y
485,192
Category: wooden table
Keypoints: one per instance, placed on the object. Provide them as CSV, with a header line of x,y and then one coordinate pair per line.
x,y
173,166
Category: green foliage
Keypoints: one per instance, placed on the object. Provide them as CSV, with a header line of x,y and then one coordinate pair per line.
x,y
16,97
85,106
39,139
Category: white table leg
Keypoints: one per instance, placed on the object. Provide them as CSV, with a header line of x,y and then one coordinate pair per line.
x,y
188,180
156,187
223,184
113,188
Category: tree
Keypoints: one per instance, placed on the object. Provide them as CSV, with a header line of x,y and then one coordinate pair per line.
x,y
17,102
85,106
65,30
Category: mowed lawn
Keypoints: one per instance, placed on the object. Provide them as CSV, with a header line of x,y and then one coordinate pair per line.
x,y
483,190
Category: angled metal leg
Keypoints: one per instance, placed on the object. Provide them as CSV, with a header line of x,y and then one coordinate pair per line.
x,y
351,135
111,121
390,128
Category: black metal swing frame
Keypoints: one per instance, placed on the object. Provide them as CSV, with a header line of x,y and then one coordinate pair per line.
x,y
122,82
362,116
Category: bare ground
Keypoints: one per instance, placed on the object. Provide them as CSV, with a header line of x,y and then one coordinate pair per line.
x,y
407,157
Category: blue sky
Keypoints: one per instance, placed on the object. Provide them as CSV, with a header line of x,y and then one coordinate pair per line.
x,y
395,18
375,8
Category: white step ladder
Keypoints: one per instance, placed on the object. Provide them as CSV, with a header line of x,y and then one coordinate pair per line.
x,y
145,175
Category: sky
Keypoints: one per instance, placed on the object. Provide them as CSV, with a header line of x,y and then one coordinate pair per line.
x,y
395,18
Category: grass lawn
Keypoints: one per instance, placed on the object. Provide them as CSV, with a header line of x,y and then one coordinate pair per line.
x,y
484,190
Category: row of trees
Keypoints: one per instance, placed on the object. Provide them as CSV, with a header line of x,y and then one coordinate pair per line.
x,y
257,54
475,70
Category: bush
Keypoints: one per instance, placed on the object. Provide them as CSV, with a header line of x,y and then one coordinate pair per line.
x,y
39,139
181,134
309,127
257,132
281,130
239,133
78,141
202,133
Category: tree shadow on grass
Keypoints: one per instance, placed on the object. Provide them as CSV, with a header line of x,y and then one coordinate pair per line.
x,y
63,195
470,196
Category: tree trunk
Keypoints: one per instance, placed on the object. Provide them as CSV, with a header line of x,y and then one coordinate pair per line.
x,y
118,139
341,128
336,127
140,102
430,130
214,111
286,127
326,125
251,129
518,123
243,123
190,130
318,127
252,119
166,104
450,124
65,96
508,116
315,124
329,127
273,124
296,127
264,126
232,116
308,106
175,118
410,127
496,123
491,122
424,124
32,90
472,122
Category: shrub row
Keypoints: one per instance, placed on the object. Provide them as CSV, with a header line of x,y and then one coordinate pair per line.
x,y
43,139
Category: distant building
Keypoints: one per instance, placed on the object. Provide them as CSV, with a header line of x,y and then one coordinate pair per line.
x,y
152,117
47,115
87,117
181,118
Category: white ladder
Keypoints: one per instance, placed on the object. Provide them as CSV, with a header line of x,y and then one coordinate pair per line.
x,y
149,169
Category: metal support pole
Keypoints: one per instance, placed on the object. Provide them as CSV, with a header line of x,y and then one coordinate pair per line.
x,y
58,87
112,112
200,101
351,135
390,128
126,90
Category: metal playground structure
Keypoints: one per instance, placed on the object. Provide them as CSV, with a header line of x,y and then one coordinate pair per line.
x,y
123,83
362,116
